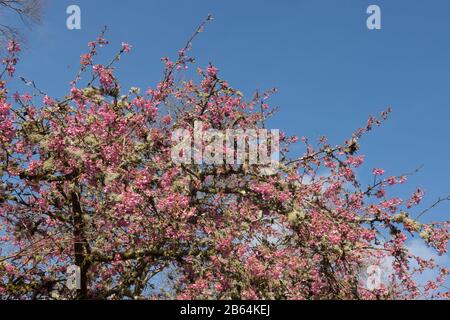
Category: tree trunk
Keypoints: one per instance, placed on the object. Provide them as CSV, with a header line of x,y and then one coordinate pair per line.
x,y
79,245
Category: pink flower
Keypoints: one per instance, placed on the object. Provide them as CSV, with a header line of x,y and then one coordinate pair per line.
x,y
11,69
76,93
86,59
391,181
106,77
218,287
223,245
381,193
10,268
355,161
265,189
4,108
378,172
126,47
212,71
249,295
26,97
402,179
167,119
48,101
13,46
416,198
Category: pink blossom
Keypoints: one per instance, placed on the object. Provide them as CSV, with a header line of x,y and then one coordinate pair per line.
x,y
167,119
126,47
212,71
13,46
416,198
10,268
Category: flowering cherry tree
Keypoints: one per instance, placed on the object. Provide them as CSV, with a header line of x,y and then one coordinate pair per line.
x,y
88,180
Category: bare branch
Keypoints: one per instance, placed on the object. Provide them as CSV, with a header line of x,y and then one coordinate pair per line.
x,y
29,13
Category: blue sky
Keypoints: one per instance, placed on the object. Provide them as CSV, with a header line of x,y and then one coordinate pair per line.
x,y
331,71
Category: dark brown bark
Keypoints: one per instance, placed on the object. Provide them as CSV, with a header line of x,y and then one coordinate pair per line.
x,y
79,245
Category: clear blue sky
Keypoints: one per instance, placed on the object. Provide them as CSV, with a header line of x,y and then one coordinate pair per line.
x,y
331,71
